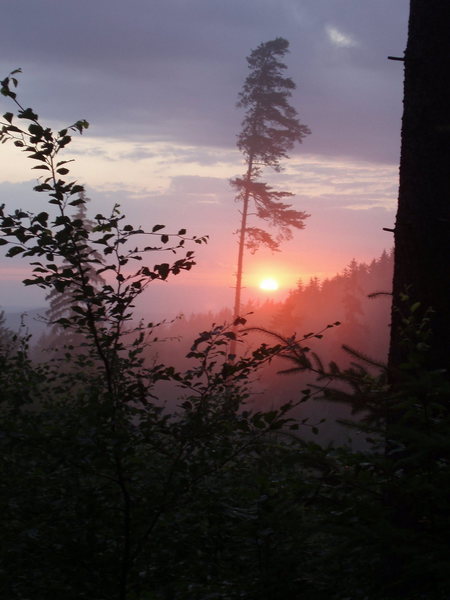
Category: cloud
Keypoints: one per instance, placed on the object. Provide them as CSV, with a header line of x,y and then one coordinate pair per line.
x,y
138,152
349,204
171,70
340,39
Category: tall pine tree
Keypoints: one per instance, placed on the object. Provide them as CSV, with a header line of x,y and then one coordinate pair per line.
x,y
269,130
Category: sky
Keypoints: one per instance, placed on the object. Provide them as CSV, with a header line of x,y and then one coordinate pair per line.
x,y
158,81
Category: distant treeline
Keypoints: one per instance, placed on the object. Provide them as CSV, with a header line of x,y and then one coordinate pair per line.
x,y
358,297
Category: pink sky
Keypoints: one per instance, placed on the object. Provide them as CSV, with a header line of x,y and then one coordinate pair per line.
x,y
163,126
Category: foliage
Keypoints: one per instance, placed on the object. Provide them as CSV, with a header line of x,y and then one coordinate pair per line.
x,y
59,302
102,486
6,336
119,492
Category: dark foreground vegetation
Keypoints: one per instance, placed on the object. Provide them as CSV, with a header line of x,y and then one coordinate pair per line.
x,y
105,494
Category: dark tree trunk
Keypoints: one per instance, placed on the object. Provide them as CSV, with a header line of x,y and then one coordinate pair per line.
x,y
422,230
240,261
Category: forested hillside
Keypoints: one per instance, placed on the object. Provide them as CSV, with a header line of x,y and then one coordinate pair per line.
x,y
358,298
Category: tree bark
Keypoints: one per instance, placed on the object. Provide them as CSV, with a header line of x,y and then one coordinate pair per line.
x,y
422,230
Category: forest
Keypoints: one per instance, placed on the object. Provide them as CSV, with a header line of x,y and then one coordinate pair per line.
x,y
297,449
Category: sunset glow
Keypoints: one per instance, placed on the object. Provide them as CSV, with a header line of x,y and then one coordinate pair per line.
x,y
269,285
170,162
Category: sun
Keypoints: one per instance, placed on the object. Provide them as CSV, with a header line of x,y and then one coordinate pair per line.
x,y
269,284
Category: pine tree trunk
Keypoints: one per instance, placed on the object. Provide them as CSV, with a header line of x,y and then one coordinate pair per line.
x,y
422,230
241,247
240,261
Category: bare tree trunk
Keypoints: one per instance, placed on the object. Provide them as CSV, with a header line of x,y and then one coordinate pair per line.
x,y
422,230
241,248
240,261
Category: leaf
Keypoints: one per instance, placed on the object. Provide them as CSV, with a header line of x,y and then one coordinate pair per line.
x,y
163,270
415,306
35,129
14,250
42,187
230,335
157,228
8,117
64,141
5,91
60,286
239,321
29,114
42,218
80,125
76,189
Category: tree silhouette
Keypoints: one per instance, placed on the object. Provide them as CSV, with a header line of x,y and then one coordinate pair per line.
x,y
7,341
61,303
269,130
422,240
